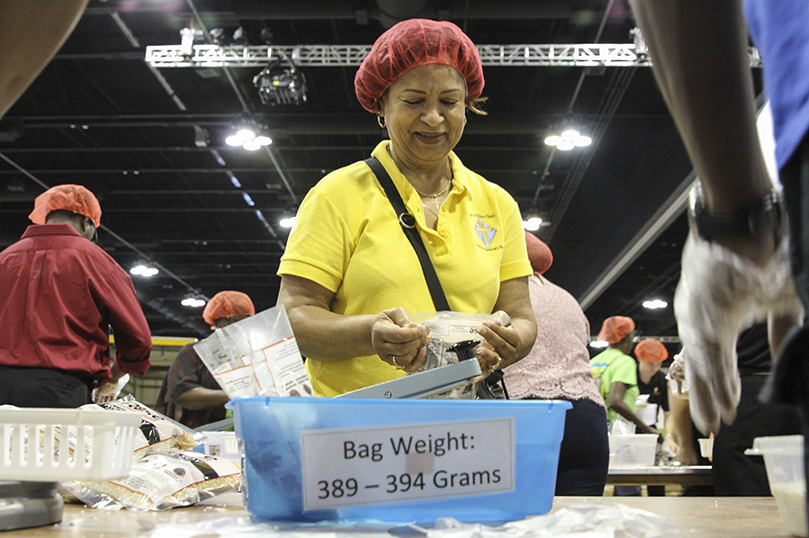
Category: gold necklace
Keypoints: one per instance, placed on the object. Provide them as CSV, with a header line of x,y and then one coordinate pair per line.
x,y
436,195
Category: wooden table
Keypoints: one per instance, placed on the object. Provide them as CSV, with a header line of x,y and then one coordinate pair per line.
x,y
739,517
687,475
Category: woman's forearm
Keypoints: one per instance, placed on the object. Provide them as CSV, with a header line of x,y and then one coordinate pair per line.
x,y
327,336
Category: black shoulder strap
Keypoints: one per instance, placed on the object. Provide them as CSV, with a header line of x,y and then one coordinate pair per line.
x,y
408,223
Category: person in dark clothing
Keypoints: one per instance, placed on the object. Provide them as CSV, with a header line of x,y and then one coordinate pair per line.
x,y
652,382
734,473
189,393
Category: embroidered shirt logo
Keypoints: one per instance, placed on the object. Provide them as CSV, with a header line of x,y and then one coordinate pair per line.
x,y
485,232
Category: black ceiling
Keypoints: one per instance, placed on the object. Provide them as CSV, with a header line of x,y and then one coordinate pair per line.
x,y
99,115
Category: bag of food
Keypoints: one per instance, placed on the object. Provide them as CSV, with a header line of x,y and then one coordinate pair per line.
x,y
159,481
157,431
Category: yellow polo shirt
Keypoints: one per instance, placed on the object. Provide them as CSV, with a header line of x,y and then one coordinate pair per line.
x,y
347,238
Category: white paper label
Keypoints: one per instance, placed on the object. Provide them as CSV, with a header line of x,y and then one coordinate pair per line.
x,y
359,466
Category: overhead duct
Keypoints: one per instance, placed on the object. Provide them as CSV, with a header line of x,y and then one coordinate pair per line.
x,y
393,11
330,10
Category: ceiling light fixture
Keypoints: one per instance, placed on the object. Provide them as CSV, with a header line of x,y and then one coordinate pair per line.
x,y
287,222
144,271
599,344
248,139
569,139
654,304
193,302
532,224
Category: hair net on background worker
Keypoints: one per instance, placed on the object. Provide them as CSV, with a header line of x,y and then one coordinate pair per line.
x,y
73,198
615,329
539,253
413,43
227,303
651,350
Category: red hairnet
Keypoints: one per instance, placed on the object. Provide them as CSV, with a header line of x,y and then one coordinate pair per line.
x,y
73,198
227,303
538,252
413,43
615,329
650,350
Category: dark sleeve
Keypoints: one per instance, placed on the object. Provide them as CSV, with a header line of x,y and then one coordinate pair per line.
x,y
664,392
133,339
184,373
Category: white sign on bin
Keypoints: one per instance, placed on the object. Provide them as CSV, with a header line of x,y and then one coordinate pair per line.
x,y
376,465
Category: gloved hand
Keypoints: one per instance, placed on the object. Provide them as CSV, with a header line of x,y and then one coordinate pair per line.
x,y
110,390
676,375
719,295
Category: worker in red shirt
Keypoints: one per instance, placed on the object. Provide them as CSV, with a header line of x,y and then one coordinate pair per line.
x,y
60,295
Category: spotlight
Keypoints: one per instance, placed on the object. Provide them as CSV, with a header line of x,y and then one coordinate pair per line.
x,y
201,137
240,37
188,36
287,222
192,302
278,85
218,36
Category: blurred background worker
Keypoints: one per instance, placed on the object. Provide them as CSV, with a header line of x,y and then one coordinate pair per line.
x,y
61,294
617,372
190,394
652,383
557,368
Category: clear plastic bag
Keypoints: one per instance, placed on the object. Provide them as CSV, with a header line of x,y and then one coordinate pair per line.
x,y
447,329
257,356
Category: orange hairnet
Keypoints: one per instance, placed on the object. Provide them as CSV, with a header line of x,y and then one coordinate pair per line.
x,y
650,350
538,252
616,328
413,43
73,198
227,303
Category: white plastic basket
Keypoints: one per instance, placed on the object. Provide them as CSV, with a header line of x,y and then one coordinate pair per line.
x,y
54,445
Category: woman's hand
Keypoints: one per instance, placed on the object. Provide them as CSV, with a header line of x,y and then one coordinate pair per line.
x,y
398,341
500,344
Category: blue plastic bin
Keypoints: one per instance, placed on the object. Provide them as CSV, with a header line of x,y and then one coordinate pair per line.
x,y
273,466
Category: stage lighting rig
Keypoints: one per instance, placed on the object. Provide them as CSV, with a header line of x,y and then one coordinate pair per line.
x,y
279,85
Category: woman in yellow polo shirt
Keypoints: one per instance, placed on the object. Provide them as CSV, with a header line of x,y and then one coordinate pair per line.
x,y
349,276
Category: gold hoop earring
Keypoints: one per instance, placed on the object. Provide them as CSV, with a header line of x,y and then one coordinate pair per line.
x,y
380,120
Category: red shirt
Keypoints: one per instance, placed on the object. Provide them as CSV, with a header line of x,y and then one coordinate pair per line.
x,y
59,294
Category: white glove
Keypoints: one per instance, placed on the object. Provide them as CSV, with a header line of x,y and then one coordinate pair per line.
x,y
719,295
109,391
